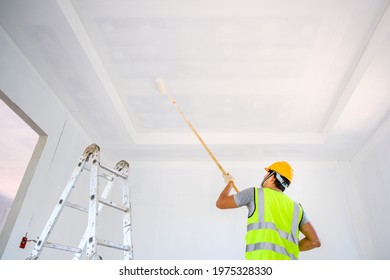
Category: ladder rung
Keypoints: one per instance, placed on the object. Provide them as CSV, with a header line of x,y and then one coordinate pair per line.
x,y
62,247
113,205
105,176
114,245
76,206
114,171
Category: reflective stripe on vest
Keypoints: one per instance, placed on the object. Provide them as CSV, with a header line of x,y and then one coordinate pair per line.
x,y
264,239
270,246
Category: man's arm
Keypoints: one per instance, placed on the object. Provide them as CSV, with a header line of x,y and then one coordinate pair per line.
x,y
225,200
311,240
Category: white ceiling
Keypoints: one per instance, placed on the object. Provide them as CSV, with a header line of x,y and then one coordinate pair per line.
x,y
259,80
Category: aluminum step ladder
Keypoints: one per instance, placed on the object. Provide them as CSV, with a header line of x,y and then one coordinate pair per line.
x,y
87,248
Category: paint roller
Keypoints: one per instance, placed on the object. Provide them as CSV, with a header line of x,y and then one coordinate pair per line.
x,y
163,91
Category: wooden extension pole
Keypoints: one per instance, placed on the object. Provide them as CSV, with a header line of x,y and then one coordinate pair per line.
x,y
173,101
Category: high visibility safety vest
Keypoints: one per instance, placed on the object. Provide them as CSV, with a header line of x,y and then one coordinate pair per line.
x,y
273,228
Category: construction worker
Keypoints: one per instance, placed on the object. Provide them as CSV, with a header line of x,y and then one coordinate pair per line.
x,y
274,219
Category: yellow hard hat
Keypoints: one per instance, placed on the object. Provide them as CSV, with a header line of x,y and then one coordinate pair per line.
x,y
283,168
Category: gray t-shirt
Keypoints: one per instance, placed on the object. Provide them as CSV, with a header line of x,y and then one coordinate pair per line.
x,y
247,198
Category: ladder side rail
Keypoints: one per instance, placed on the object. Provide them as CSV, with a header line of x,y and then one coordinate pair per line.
x,y
93,207
127,226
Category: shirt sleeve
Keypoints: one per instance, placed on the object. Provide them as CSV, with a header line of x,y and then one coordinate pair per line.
x,y
246,198
305,218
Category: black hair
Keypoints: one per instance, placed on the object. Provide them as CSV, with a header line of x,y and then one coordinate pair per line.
x,y
278,184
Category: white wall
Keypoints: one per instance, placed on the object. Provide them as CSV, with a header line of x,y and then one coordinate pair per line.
x,y
371,168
